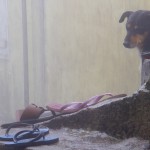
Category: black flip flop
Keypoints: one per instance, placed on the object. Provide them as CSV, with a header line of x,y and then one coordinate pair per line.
x,y
35,130
39,140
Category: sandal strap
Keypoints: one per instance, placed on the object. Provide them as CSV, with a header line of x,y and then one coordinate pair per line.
x,y
31,112
17,137
22,135
16,125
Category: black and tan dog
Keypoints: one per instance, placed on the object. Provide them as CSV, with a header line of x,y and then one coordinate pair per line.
x,y
138,31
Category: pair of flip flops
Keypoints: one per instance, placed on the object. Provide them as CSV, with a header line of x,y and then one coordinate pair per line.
x,y
36,136
33,114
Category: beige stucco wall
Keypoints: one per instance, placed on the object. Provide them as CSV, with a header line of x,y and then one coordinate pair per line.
x,y
11,66
82,50
75,51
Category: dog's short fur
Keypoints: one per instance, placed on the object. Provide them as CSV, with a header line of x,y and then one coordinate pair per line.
x,y
138,30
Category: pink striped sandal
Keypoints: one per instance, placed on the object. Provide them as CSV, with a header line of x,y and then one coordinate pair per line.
x,y
33,114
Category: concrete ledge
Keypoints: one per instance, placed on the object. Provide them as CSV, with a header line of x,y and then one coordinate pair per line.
x,y
121,118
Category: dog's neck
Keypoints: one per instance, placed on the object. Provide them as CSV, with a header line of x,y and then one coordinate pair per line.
x,y
146,44
144,50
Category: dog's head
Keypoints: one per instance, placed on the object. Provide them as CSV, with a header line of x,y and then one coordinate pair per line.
x,y
137,26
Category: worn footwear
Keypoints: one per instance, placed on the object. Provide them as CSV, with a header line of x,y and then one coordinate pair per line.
x,y
19,143
34,114
76,106
28,133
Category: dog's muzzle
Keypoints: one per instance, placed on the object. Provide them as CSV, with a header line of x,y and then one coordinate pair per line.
x,y
126,44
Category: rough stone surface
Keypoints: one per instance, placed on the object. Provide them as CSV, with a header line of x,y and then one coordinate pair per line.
x,y
122,118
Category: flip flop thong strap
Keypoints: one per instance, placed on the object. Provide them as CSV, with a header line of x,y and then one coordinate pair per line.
x,y
16,137
16,125
22,135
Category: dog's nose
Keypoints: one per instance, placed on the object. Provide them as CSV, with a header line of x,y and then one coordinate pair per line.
x,y
126,44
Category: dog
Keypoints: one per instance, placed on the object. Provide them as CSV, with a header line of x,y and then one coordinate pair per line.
x,y
138,31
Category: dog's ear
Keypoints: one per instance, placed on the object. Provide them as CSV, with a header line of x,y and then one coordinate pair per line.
x,y
124,15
